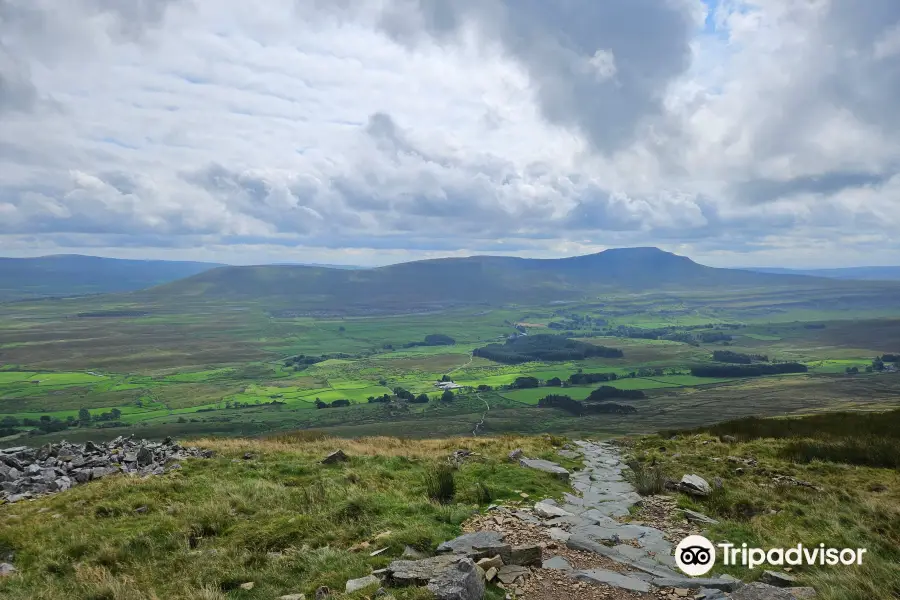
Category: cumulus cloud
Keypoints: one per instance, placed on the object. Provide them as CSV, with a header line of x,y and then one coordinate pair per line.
x,y
381,131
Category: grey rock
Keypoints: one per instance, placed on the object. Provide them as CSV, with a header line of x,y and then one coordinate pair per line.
x,y
412,554
144,456
335,457
419,572
354,585
695,517
292,597
546,466
6,569
710,594
526,556
611,578
777,579
549,511
322,592
515,455
487,563
470,543
460,581
508,574
557,562
694,485
559,535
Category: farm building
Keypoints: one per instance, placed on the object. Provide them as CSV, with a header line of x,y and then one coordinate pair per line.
x,y
447,385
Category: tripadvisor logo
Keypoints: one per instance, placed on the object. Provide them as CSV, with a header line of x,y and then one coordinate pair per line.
x,y
695,555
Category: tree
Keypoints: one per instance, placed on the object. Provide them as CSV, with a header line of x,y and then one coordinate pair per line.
x,y
446,378
421,399
878,364
447,396
84,415
554,382
45,419
116,414
9,422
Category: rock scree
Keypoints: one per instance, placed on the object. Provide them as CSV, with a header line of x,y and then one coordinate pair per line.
x,y
31,472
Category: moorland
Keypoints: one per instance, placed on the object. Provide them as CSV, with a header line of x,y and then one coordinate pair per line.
x,y
252,350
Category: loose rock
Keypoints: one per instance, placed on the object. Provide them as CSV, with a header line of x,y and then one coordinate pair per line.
x,y
335,457
354,585
776,579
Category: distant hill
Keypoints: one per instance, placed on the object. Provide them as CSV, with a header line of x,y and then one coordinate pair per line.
x,y
858,273
477,280
72,274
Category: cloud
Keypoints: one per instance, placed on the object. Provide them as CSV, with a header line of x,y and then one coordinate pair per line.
x,y
423,127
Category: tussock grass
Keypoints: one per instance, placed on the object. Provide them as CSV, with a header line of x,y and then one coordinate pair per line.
x,y
648,480
440,483
282,520
871,451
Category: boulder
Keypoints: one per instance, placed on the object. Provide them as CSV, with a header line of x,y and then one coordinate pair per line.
x,y
460,581
694,485
335,457
515,455
6,569
354,585
777,579
490,574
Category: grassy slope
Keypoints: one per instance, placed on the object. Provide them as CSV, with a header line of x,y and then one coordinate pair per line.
x,y
858,505
280,519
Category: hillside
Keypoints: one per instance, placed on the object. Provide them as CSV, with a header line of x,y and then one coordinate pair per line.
x,y
487,280
853,273
72,274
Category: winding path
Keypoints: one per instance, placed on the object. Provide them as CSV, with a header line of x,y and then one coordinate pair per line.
x,y
487,407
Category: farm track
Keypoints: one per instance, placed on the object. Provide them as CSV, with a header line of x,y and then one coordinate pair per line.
x,y
487,407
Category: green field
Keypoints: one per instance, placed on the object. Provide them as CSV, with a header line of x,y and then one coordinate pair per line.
x,y
210,368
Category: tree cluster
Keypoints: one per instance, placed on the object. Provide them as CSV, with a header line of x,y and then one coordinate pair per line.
x,y
728,356
434,339
755,370
543,347
606,391
523,383
578,409
589,378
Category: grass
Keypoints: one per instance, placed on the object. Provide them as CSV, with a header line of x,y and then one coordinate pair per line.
x,y
854,500
280,519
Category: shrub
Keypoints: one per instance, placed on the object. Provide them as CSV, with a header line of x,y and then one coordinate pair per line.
x,y
648,481
440,484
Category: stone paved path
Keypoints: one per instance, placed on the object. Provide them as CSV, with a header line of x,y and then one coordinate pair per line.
x,y
591,525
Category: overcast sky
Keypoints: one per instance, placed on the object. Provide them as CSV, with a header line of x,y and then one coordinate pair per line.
x,y
757,132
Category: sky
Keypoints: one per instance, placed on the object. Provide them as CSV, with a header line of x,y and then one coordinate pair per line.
x,y
736,132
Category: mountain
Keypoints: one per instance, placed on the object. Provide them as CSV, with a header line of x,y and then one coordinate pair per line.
x,y
856,273
72,274
476,280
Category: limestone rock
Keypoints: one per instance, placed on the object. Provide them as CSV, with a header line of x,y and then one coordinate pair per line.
x,y
470,543
695,517
526,556
776,579
558,563
546,466
549,511
459,581
694,485
508,574
487,563
355,585
292,597
420,572
6,569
